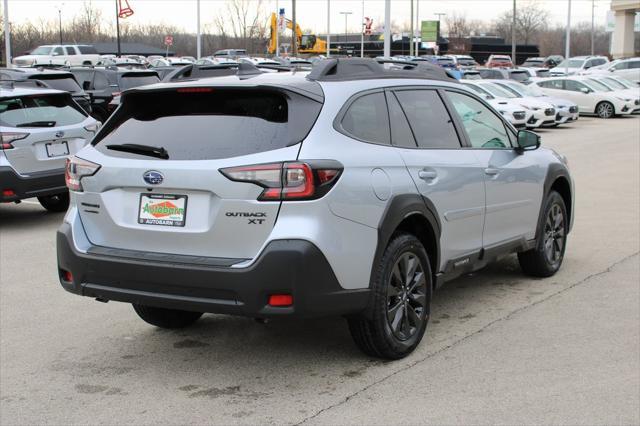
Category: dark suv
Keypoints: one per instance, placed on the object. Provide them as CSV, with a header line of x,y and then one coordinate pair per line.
x,y
103,84
54,79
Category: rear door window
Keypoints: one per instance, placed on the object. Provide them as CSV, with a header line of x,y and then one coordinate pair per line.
x,y
70,50
401,134
429,120
40,111
209,123
88,50
367,119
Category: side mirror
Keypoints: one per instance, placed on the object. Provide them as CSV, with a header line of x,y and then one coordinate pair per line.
x,y
86,85
55,54
528,141
585,90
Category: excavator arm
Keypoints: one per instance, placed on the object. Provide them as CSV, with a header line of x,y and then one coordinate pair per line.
x,y
319,46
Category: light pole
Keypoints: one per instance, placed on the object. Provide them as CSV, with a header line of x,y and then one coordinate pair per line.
x,y
513,35
593,7
59,7
417,50
328,28
567,41
346,15
387,28
362,33
439,15
7,35
410,31
198,39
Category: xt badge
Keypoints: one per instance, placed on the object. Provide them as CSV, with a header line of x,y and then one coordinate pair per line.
x,y
254,218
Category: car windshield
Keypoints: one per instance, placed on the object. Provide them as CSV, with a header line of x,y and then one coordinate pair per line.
x,y
40,111
613,83
64,83
498,92
130,81
599,87
483,93
516,89
571,63
42,50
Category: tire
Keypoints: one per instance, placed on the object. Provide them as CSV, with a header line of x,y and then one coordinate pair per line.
x,y
545,259
605,110
400,307
55,203
166,318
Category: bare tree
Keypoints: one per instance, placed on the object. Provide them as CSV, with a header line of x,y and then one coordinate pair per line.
x,y
531,20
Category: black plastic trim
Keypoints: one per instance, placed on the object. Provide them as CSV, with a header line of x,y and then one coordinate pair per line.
x,y
295,267
33,185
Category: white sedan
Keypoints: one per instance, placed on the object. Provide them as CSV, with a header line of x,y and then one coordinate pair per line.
x,y
615,86
592,98
566,111
543,113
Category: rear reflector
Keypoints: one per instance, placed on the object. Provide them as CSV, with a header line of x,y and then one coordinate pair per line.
x,y
280,300
8,192
66,275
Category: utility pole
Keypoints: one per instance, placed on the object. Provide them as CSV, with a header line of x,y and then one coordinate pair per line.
x,y
439,15
198,39
7,35
567,40
328,28
417,26
411,30
277,30
118,29
513,36
387,28
362,33
60,20
593,7
346,15
294,39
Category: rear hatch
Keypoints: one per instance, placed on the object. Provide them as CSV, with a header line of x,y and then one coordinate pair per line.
x,y
129,80
40,131
183,203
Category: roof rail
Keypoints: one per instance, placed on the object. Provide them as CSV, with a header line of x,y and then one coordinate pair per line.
x,y
347,69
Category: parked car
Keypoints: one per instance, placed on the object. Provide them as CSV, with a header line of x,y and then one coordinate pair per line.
x,y
590,98
619,89
548,62
39,129
230,53
535,72
470,74
55,79
70,54
577,64
211,60
121,62
190,59
503,73
309,149
566,110
463,62
626,68
103,84
499,61
168,62
445,62
512,112
543,113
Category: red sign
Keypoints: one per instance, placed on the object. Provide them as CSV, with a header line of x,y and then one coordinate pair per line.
x,y
168,40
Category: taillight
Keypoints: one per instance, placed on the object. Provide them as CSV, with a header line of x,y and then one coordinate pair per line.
x,y
288,181
76,169
7,137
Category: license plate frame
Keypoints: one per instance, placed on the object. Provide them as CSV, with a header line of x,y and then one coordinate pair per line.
x,y
57,149
160,217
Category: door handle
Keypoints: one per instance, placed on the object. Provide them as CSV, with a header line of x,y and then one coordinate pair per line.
x,y
427,174
491,171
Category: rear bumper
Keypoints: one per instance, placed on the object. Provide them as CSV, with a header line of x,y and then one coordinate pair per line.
x,y
33,185
294,267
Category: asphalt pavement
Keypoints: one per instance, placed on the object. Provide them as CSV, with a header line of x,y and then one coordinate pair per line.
x,y
501,347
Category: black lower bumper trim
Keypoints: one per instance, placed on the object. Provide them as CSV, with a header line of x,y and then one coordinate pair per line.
x,y
33,185
295,267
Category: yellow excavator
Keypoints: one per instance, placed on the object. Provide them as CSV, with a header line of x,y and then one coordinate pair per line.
x,y
307,43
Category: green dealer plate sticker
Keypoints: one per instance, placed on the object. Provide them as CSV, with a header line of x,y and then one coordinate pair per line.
x,y
162,209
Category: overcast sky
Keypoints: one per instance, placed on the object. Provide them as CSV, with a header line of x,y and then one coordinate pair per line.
x,y
311,14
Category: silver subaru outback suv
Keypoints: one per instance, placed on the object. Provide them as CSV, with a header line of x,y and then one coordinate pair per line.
x,y
355,190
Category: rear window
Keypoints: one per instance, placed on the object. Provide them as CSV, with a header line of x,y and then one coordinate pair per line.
x,y
132,80
40,111
519,75
64,83
445,61
205,125
88,50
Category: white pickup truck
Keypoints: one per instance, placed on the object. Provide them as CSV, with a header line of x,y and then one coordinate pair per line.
x,y
55,54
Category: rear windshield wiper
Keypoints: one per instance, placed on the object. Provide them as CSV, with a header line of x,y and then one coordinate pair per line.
x,y
37,124
151,151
